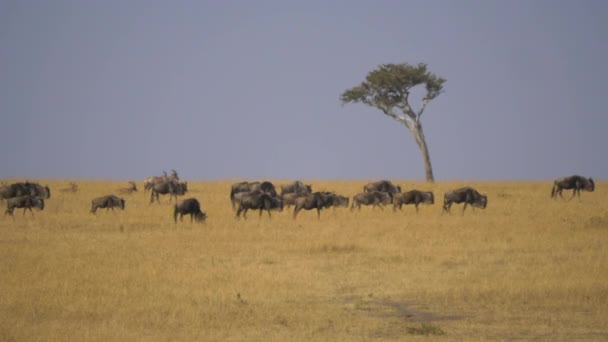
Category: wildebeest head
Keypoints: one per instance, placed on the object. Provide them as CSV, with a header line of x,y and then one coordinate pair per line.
x,y
429,198
590,186
200,217
482,202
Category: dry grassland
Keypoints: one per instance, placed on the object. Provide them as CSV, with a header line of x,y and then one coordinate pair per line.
x,y
525,268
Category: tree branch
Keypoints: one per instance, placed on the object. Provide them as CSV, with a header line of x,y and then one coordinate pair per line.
x,y
425,101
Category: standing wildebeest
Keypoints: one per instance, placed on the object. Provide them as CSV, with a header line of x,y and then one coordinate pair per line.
x,y
296,187
131,189
414,197
241,187
467,195
25,202
374,198
173,188
25,188
316,200
257,200
576,182
382,185
268,187
108,202
150,181
290,198
191,207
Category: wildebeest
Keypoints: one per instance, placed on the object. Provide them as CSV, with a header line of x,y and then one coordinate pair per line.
x,y
72,188
289,199
576,182
108,202
382,185
268,187
25,188
190,206
258,200
373,198
150,181
295,187
25,202
316,200
241,187
414,197
131,189
467,195
173,188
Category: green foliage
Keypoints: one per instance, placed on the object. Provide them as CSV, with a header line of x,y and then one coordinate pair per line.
x,y
389,86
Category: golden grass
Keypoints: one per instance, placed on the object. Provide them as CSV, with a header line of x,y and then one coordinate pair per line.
x,y
525,268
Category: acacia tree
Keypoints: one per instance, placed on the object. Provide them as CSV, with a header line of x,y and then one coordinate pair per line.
x,y
388,89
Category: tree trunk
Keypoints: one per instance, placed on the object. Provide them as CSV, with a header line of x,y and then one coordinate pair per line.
x,y
419,137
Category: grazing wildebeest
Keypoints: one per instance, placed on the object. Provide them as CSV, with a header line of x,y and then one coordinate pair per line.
x,y
576,182
25,202
373,198
131,189
316,200
241,187
257,200
108,202
383,186
190,206
73,187
25,188
414,197
173,188
289,199
467,195
295,187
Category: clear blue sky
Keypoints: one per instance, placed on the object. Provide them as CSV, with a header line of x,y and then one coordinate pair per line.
x,y
250,89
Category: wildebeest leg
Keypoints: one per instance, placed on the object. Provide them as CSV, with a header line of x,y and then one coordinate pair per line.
x,y
319,213
245,213
416,205
238,212
295,212
463,208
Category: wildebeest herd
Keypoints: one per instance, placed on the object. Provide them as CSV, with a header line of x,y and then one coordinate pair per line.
x,y
263,196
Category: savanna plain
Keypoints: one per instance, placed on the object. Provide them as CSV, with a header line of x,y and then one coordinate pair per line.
x,y
525,268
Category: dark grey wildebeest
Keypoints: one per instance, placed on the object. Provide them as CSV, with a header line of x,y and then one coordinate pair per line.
x,y
26,202
268,187
171,188
338,201
189,206
316,200
466,195
373,198
296,187
383,186
258,200
107,202
241,187
576,183
414,197
25,188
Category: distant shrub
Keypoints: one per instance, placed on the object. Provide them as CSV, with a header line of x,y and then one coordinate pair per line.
x,y
425,329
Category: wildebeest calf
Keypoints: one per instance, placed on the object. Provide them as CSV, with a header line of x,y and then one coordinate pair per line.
x,y
190,206
414,197
25,202
576,182
373,198
467,195
108,202
257,200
